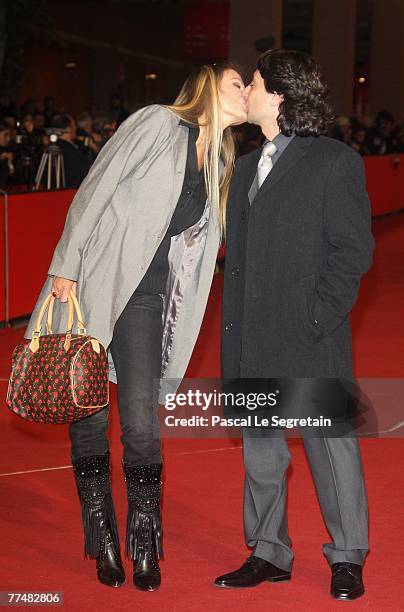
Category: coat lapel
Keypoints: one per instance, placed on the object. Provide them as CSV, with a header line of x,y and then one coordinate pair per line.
x,y
291,155
180,149
249,172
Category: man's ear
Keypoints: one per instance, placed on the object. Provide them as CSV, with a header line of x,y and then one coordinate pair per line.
x,y
276,99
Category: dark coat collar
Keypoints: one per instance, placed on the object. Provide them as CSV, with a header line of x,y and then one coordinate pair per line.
x,y
296,149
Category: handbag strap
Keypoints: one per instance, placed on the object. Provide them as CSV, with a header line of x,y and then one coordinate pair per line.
x,y
80,324
50,315
48,304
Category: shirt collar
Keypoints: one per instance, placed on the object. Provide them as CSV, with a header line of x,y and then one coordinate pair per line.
x,y
189,125
193,131
281,141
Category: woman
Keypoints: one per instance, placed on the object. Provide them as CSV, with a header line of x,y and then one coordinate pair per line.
x,y
140,240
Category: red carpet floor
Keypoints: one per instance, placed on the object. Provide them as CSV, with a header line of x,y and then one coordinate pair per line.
x,y
40,531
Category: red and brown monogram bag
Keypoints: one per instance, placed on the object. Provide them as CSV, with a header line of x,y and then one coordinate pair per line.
x,y
58,378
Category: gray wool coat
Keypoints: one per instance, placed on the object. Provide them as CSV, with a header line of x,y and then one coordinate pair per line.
x,y
113,228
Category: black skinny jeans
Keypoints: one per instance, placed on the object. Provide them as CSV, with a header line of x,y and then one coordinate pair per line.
x,y
136,351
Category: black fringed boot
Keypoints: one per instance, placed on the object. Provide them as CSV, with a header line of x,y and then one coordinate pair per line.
x,y
101,540
143,528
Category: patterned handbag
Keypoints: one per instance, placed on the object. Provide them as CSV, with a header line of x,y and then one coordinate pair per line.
x,y
58,378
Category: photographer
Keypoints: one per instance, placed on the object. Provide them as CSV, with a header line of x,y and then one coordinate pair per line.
x,y
358,141
76,162
380,140
7,169
86,136
27,149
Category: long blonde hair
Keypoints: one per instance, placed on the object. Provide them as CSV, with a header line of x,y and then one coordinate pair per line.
x,y
199,96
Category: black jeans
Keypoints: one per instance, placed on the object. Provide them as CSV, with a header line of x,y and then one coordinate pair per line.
x,y
136,351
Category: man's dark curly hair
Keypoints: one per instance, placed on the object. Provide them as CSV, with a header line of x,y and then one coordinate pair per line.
x,y
296,76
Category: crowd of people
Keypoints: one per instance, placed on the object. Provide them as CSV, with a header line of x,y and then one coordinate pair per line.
x,y
26,132
381,136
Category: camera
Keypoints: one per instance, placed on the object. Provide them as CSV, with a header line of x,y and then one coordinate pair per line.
x,y
54,133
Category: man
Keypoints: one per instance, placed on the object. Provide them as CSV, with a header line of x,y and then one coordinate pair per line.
x,y
7,168
298,241
75,156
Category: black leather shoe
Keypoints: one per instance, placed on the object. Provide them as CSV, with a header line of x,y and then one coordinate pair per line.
x,y
346,581
109,565
253,572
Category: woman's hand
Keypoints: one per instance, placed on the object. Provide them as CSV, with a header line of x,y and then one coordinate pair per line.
x,y
61,288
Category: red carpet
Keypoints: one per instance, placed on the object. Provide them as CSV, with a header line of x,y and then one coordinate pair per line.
x,y
41,538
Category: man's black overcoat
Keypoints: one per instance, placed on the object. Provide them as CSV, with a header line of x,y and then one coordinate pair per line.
x,y
294,257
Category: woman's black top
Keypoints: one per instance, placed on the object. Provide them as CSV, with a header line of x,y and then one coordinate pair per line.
x,y
188,211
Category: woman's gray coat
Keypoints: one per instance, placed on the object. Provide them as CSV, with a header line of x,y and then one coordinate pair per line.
x,y
114,226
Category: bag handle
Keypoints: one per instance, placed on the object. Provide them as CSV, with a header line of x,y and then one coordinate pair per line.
x,y
49,303
80,323
50,316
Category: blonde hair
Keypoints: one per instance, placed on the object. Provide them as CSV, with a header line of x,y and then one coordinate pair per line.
x,y
199,96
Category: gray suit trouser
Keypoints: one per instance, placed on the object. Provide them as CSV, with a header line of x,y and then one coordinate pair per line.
x,y
336,467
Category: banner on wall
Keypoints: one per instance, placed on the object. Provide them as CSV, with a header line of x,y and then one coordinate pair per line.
x,y
205,31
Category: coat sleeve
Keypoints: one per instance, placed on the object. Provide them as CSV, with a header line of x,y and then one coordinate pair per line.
x,y
133,142
350,244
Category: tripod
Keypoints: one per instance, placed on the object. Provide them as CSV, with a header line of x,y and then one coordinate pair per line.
x,y
51,160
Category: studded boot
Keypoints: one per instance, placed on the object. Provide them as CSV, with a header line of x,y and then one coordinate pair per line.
x,y
101,540
143,529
